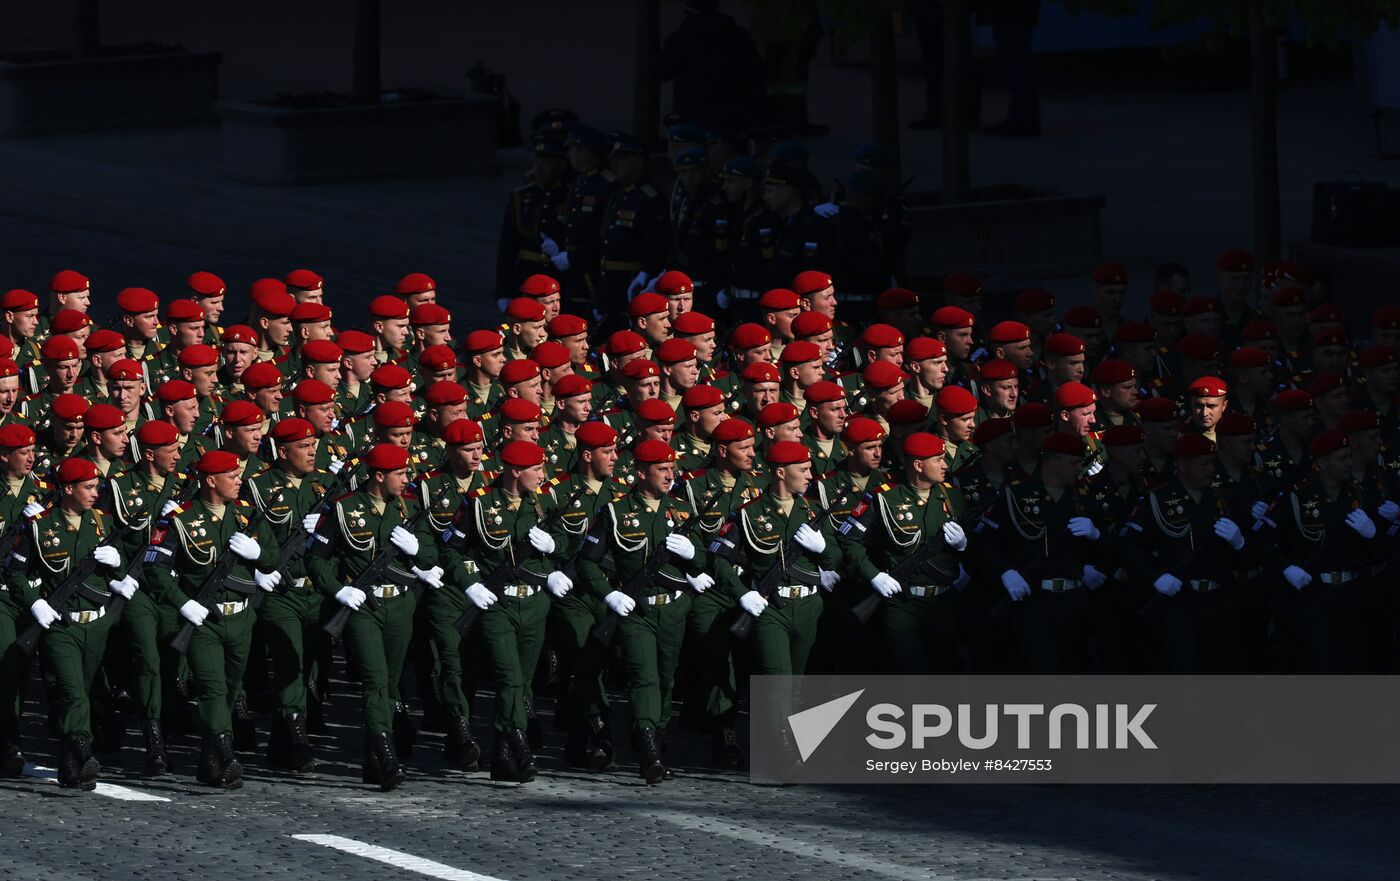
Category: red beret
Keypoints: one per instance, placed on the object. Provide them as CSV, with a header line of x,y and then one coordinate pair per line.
x,y
650,452
1166,303
525,309
1331,337
206,284
1064,443
1249,357
311,392
639,369
800,352
103,340
922,445
625,342
321,352
1083,317
1386,318
647,303
777,413
1326,313
125,370
420,283
1123,436
1284,297
810,282
1110,274
881,336
76,471
908,412
762,371
182,310
304,280
881,375
1235,260
241,413
66,281
655,411
390,376
563,325
788,453
991,429
462,431
962,284
1004,332
923,348
135,301
19,300
1376,356
550,354
8,367
1354,420
175,390
948,317
572,385
1199,347
348,342
537,285
596,434
695,323
862,429
1112,371
698,397
291,429
1072,395
1259,329
674,351
673,282
1235,422
520,410
311,312
217,462
394,414
271,298
69,406
15,435
1201,304
749,336
824,392
1329,442
520,370
386,307
387,457
1033,300
263,374
59,348
1292,400
1135,332
954,400
810,324
200,355
71,320
731,430
1189,445
241,333
996,370
897,298
1325,383
1033,414
778,300
479,342
1157,410
1208,387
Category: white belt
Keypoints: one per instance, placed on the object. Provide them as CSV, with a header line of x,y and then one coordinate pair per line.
x,y
1059,585
795,591
88,616
1336,577
929,590
227,609
1203,584
661,599
302,583
387,591
519,591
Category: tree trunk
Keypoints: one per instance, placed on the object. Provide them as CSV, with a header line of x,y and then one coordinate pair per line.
x,y
366,58
646,97
956,174
1263,63
86,28
884,94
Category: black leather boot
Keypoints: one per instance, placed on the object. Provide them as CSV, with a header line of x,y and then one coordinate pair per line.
x,y
303,759
88,768
533,733
315,709
524,761
68,766
503,760
600,756
11,761
724,746
650,760
369,765
459,749
279,743
209,770
245,732
157,762
390,772
404,733
230,770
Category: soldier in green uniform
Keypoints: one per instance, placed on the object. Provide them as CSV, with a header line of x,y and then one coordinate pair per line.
x,y
573,408
484,353
501,526
25,496
60,436
179,561
646,522
70,531
703,410
179,405
357,528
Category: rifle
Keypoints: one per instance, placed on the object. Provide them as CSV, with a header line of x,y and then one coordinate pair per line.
x,y
1152,605
508,573
744,624
213,585
374,573
117,605
299,541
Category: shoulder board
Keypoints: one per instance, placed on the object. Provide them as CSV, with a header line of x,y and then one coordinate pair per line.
x,y
649,190
830,474
691,475
340,498
750,501
43,515
41,484
242,503
884,487
436,472
480,491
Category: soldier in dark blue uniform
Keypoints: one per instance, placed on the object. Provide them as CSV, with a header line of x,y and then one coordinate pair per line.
x,y
575,257
635,233
536,218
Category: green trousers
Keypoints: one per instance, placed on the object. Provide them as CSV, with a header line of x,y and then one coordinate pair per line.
x,y
72,656
379,639
581,659
711,650
782,644
651,639
513,630
290,623
148,627
921,633
14,668
218,654
443,607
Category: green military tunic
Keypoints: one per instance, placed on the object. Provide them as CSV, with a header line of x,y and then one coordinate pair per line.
x,y
14,618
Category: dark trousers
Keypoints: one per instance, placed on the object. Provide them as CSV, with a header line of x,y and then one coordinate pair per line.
x,y
1014,41
927,18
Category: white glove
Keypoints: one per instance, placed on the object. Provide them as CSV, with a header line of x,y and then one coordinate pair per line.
x,y
168,508
1259,510
548,246
431,577
1094,468
636,286
1093,578
268,581
680,546
483,598
108,555
32,510
309,522
194,613
827,209
43,613
541,541
702,582
885,585
1083,527
336,465
404,540
124,587
1015,585
561,261
351,597
620,603
753,603
722,299
1361,522
1389,510
1230,532
1297,577
954,536
829,579
810,539
1167,585
558,584
963,579
245,546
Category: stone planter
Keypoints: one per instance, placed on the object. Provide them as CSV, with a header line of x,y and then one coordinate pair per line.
x,y
268,143
125,86
1006,231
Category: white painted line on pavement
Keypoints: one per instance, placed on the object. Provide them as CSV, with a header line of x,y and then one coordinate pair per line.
x,y
111,790
395,858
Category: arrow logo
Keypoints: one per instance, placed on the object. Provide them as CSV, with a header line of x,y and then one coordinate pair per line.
x,y
810,727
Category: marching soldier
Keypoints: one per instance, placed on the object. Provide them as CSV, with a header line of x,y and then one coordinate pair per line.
x,y
634,233
536,218
25,497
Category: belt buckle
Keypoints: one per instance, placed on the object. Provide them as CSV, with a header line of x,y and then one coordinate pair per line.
x,y
84,617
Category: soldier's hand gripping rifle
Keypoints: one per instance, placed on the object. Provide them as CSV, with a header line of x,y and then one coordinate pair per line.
x,y
299,541
767,588
182,496
214,584
379,569
73,586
